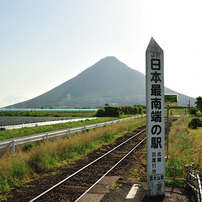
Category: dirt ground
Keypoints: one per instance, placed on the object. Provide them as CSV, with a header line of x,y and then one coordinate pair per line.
x,y
119,194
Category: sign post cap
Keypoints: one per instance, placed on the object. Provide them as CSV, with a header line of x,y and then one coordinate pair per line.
x,y
153,46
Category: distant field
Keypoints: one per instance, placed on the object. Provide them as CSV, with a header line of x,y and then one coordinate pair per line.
x,y
6,134
13,133
48,110
47,114
12,120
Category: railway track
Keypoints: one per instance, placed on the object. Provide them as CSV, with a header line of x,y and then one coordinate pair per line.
x,y
80,182
74,181
73,187
93,168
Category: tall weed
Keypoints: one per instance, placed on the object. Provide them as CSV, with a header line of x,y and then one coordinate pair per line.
x,y
13,170
183,149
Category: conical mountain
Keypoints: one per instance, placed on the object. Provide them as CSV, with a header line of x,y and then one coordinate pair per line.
x,y
108,81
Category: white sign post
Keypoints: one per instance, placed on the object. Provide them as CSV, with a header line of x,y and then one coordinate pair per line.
x,y
155,120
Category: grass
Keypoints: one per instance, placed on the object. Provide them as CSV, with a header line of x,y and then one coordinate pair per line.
x,y
50,155
177,110
185,147
115,186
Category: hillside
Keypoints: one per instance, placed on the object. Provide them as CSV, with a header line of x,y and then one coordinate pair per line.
x,y
108,81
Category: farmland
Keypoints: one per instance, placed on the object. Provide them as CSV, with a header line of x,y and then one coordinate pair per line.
x,y
6,120
25,131
25,117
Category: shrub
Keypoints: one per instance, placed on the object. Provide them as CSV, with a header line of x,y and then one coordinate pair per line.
x,y
198,113
196,122
108,112
119,110
12,171
28,146
193,111
3,184
140,110
106,137
111,112
19,169
100,113
199,103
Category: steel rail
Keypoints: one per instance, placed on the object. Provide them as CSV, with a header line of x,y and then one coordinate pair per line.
x,y
53,187
111,169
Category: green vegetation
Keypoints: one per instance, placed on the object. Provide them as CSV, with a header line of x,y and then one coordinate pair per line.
x,y
197,111
48,155
193,111
195,123
7,134
108,111
116,186
177,110
185,147
199,103
28,146
170,99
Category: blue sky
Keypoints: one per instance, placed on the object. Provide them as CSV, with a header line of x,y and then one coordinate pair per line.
x,y
44,43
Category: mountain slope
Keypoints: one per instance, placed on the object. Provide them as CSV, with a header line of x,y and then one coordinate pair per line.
x,y
108,81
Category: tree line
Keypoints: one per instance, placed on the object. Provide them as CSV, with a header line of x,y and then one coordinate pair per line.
x,y
196,111
109,111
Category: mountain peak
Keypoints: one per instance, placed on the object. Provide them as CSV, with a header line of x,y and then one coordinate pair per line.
x,y
107,81
109,59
